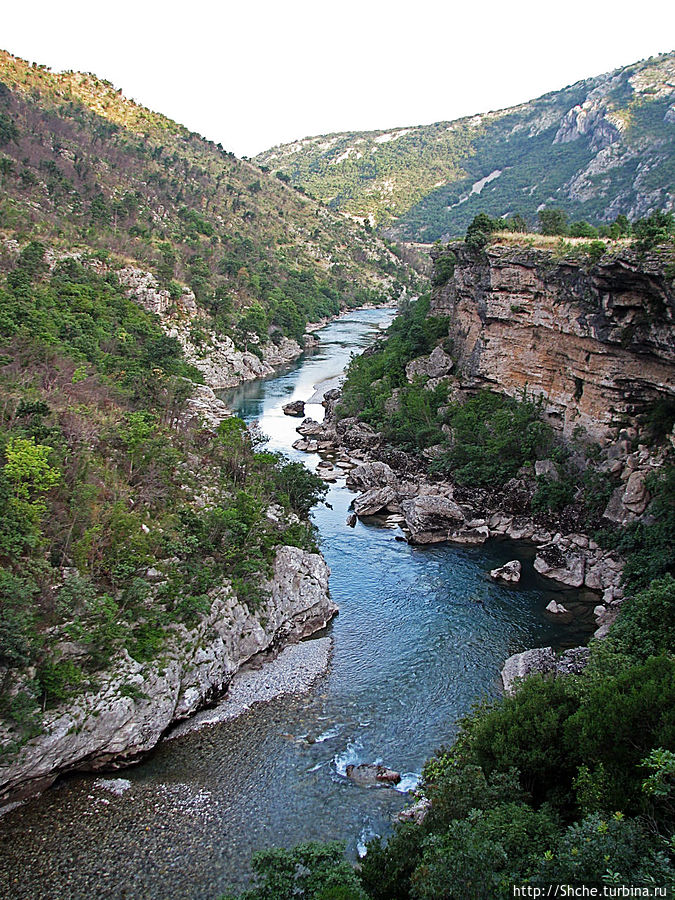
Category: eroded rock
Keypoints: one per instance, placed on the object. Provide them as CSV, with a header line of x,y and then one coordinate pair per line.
x,y
509,572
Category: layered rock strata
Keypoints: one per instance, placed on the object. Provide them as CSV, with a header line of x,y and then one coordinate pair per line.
x,y
596,341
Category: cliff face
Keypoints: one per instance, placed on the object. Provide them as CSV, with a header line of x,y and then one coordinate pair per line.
x,y
597,341
136,702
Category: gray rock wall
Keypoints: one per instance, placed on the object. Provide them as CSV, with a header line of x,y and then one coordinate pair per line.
x,y
110,727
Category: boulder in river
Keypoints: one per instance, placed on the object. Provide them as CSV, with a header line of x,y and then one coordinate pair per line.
x,y
309,427
368,774
374,501
509,572
294,408
370,475
431,518
561,613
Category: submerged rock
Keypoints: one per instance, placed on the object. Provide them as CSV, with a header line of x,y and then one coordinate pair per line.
x,y
368,774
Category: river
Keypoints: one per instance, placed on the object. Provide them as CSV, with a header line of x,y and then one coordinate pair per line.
x,y
421,635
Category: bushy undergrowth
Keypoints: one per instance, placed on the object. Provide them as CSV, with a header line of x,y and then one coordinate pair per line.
x,y
104,476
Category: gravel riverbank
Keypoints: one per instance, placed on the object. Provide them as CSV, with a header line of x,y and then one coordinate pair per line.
x,y
293,671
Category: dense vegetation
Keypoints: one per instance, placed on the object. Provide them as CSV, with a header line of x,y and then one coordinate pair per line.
x,y
119,514
85,168
428,182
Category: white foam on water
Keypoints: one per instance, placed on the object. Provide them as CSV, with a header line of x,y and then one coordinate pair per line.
x,y
328,734
408,782
367,834
351,756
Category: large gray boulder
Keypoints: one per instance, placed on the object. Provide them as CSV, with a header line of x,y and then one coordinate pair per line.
x,y
375,500
369,475
542,661
437,364
294,408
431,518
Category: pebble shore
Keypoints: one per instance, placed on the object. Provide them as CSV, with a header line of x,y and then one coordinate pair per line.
x,y
293,671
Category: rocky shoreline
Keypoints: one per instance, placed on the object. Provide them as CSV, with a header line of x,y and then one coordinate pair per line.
x,y
293,671
136,703
430,509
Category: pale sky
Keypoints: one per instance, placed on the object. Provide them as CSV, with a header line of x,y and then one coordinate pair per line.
x,y
255,74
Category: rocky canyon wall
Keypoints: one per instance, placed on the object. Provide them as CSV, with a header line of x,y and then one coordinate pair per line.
x,y
597,340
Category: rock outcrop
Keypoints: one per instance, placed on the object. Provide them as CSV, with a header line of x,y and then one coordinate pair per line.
x,y
137,702
216,357
596,341
542,661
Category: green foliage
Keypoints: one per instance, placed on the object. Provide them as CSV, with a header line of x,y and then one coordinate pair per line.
x,y
18,636
646,623
553,221
610,850
373,376
553,495
300,488
314,871
444,268
8,130
492,437
658,228
583,229
480,229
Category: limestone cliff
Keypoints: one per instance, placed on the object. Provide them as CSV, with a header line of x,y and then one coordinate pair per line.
x,y
596,340
136,702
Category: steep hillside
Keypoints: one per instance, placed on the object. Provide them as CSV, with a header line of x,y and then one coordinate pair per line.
x,y
598,148
84,168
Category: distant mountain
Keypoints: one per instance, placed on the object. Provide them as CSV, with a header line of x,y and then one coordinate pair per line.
x,y
82,166
598,148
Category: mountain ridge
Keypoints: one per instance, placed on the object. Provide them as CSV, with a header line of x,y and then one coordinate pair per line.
x,y
575,147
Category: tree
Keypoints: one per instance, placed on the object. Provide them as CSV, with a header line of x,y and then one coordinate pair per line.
x,y
583,229
553,221
28,471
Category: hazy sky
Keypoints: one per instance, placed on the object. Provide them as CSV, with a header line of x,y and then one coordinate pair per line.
x,y
255,74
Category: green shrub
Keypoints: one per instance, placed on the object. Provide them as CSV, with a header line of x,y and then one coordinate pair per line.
x,y
312,870
605,850
492,437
